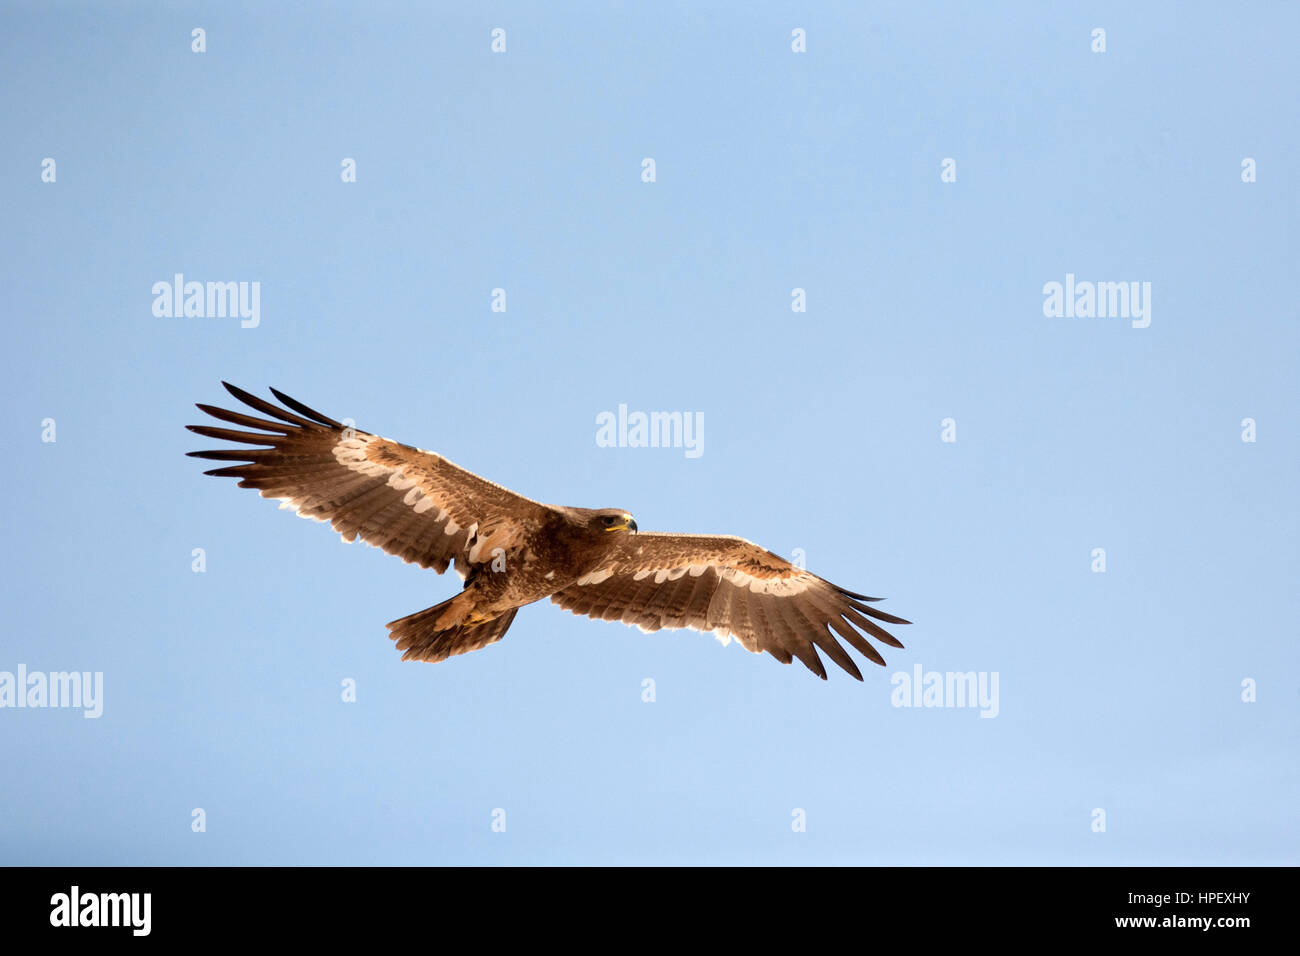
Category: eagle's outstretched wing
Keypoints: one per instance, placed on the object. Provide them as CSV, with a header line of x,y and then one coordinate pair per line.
x,y
735,588
410,502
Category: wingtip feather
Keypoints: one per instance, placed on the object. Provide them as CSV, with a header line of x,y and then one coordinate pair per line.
x,y
302,409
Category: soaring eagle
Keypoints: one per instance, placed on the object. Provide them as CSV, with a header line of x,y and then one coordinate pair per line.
x,y
510,550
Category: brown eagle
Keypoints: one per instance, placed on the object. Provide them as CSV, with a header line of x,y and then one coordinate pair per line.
x,y
511,550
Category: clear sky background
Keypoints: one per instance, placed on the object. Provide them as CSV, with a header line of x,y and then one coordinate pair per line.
x,y
1119,691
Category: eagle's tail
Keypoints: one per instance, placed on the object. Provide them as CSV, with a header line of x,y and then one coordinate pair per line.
x,y
419,636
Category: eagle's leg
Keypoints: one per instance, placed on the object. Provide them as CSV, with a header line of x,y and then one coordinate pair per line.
x,y
456,626
462,610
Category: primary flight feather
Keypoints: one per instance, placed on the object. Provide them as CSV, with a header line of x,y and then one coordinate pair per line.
x,y
511,551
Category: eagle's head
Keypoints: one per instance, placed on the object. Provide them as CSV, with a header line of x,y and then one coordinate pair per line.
x,y
611,520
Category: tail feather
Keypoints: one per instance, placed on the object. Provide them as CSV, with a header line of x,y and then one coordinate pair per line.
x,y
419,637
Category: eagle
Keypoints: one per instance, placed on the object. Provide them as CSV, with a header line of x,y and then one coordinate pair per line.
x,y
511,551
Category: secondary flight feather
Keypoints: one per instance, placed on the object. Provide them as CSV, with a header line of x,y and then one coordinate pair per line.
x,y
511,551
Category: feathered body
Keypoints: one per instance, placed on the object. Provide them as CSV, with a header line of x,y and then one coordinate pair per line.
x,y
511,551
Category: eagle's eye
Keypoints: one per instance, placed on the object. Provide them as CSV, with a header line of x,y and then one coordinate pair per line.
x,y
607,521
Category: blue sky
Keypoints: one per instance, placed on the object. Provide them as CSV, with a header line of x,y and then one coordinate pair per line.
x,y
823,430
